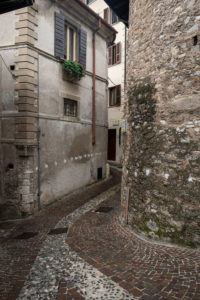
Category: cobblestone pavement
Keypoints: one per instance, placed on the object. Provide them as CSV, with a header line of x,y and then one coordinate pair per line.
x,y
18,256
99,258
147,271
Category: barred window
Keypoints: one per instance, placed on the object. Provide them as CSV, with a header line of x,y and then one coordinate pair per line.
x,y
70,108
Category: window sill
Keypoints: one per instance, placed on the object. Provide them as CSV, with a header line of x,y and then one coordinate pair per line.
x,y
70,119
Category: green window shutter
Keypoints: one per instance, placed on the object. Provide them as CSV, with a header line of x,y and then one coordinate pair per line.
x,y
83,47
59,36
118,98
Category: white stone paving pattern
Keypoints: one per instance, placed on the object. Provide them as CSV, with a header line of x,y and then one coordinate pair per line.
x,y
56,261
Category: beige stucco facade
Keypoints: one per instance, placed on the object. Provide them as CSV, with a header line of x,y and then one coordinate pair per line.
x,y
40,147
116,76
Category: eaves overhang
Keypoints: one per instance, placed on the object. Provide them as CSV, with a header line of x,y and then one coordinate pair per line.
x,y
10,5
121,8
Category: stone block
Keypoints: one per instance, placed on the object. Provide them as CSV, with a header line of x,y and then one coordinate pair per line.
x,y
26,79
25,135
29,32
28,17
24,72
24,190
24,86
24,24
27,107
26,128
29,66
24,100
186,103
24,39
28,198
27,51
26,93
25,10
25,58
25,120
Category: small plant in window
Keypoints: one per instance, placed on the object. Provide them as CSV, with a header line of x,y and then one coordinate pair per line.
x,y
75,70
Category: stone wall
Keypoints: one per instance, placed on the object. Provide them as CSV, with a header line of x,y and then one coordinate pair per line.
x,y
162,149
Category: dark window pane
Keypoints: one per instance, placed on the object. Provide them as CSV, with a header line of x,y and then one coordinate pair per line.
x,y
71,43
114,18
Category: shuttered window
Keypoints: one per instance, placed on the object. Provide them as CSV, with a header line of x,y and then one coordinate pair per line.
x,y
114,54
70,40
106,14
115,96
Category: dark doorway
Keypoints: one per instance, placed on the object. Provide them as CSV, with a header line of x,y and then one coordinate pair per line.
x,y
111,144
99,174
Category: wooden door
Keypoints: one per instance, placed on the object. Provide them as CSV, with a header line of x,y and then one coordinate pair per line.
x,y
111,144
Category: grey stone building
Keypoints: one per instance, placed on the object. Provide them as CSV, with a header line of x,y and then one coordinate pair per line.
x,y
161,175
53,130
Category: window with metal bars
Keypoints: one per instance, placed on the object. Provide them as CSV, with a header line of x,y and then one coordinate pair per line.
x,y
70,108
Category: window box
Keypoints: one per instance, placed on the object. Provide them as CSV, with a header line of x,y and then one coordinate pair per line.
x,y
74,70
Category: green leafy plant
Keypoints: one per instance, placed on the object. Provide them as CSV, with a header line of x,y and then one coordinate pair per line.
x,y
75,70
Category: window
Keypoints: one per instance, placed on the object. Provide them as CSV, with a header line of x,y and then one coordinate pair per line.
x,y
70,108
70,42
70,39
114,54
109,16
89,1
114,18
115,96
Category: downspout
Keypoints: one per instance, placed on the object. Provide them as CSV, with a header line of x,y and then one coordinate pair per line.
x,y
125,57
94,83
38,150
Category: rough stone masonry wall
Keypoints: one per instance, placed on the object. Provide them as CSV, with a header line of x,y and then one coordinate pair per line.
x,y
162,149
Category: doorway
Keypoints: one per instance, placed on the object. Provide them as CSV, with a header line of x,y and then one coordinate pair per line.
x,y
111,144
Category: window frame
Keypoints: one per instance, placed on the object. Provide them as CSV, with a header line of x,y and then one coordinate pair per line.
x,y
68,115
117,96
68,26
114,54
111,16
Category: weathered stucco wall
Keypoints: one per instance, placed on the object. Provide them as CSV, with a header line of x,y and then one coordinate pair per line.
x,y
33,99
162,150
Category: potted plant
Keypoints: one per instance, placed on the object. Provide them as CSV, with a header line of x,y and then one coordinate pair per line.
x,y
74,70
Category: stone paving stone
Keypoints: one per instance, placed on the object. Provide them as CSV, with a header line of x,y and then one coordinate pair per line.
x,y
60,272
146,270
19,255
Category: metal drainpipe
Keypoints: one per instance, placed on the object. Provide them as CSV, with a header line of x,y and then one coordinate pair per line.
x,y
94,83
38,148
125,58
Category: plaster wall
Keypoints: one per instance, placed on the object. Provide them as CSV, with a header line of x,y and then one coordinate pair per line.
x,y
7,25
115,76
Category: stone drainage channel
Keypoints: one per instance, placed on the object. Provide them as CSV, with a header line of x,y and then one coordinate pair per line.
x,y
56,261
